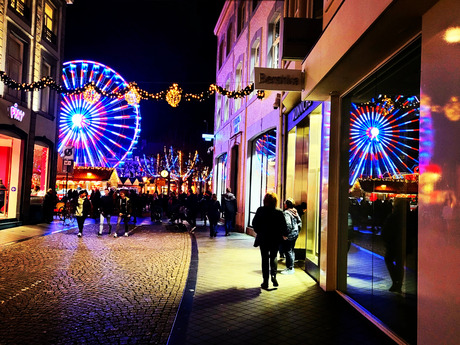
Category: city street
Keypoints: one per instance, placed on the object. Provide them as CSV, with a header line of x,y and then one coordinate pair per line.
x,y
61,289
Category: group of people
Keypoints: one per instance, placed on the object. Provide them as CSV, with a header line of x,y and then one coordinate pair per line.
x,y
112,203
276,230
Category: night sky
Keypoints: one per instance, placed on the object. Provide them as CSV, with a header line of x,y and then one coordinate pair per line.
x,y
155,43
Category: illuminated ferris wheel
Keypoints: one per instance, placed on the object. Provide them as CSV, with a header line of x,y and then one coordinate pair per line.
x,y
384,137
103,132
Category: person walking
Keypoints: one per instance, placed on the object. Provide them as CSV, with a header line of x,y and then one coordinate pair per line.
x,y
214,211
270,226
191,203
294,224
123,209
49,202
105,210
229,206
82,210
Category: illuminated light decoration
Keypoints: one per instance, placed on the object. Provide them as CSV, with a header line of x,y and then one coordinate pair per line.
x,y
384,138
452,35
91,95
174,95
452,109
104,132
132,97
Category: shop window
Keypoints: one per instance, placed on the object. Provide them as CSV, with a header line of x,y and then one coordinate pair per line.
x,y
221,176
40,170
381,234
50,23
10,175
262,178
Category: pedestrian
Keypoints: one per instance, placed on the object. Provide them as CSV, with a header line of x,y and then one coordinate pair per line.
x,y
214,211
49,202
204,206
123,209
95,199
229,206
191,203
393,234
294,224
82,210
105,210
3,190
270,226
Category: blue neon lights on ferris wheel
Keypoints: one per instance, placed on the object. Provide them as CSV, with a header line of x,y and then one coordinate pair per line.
x,y
103,133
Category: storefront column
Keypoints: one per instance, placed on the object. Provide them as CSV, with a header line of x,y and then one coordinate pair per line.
x,y
329,233
25,215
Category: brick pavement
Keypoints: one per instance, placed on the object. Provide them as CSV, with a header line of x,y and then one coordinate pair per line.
x,y
61,289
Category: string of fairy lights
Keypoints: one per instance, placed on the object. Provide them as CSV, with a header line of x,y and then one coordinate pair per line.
x,y
133,94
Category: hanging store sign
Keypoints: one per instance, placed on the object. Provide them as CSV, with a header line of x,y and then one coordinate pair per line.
x,y
16,113
278,79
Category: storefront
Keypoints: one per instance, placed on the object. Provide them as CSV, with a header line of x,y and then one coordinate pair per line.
x,y
221,176
303,177
378,233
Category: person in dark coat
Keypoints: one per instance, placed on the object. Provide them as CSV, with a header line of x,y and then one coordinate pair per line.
x,y
123,210
82,210
270,226
393,233
214,210
229,206
294,224
106,209
49,202
191,203
95,199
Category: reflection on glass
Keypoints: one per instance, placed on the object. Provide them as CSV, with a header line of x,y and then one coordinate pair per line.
x,y
383,210
263,170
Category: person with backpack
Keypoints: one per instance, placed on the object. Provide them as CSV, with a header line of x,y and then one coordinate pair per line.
x,y
294,224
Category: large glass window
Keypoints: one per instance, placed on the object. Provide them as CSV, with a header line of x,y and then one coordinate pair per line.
x,y
262,178
40,170
238,84
241,17
21,7
15,62
221,176
381,235
10,175
274,43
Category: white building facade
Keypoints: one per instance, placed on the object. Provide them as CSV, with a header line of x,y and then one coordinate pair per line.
x,y
392,67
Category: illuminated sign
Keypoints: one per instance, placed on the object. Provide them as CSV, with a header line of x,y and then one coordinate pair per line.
x,y
164,173
278,79
16,113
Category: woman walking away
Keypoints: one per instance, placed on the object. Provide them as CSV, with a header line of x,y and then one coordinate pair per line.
x,y
82,210
213,215
270,226
294,224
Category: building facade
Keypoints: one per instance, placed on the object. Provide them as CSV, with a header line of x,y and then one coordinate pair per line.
x,y
369,145
31,47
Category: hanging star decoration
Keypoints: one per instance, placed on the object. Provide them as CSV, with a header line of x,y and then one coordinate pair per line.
x,y
132,93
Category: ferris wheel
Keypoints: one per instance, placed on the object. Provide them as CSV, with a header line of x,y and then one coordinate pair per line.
x,y
384,137
103,132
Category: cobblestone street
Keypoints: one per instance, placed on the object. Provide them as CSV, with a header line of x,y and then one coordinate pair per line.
x,y
61,289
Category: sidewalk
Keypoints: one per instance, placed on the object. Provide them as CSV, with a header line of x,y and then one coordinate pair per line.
x,y
224,304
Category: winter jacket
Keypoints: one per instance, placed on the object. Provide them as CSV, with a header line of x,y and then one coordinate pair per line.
x,y
269,225
293,223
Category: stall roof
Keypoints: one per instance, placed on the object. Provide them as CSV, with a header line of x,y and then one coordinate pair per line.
x,y
89,174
